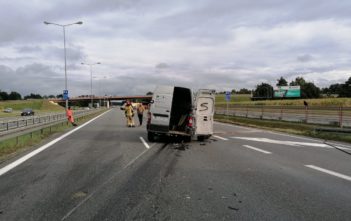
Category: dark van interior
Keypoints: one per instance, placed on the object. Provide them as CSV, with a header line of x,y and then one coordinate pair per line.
x,y
181,108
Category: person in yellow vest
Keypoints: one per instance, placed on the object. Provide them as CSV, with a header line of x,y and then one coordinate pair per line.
x,y
140,111
129,112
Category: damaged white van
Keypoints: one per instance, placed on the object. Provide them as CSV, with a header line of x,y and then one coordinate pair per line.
x,y
176,111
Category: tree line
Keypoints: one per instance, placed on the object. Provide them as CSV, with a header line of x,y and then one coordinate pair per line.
x,y
307,89
263,90
13,95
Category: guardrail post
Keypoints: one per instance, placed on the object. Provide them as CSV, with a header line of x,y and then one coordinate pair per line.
x,y
7,125
306,114
340,116
247,112
262,112
281,113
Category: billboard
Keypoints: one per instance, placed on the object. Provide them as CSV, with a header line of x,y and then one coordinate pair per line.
x,y
287,91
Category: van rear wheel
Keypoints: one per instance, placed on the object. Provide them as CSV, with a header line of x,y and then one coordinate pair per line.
x,y
151,136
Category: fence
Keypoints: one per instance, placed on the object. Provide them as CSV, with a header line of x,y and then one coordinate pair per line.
x,y
11,125
337,116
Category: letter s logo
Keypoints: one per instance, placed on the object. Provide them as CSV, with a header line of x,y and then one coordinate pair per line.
x,y
204,107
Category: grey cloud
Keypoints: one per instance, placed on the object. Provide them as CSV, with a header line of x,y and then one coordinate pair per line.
x,y
162,65
29,49
304,58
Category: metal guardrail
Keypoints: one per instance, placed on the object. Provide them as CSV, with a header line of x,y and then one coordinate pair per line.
x,y
337,116
22,123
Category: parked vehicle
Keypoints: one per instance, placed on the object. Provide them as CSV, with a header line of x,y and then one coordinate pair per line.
x,y
27,112
173,112
8,110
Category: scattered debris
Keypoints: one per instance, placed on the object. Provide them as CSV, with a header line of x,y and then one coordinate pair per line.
x,y
233,208
79,194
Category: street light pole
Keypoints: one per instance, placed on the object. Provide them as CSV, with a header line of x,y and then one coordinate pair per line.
x,y
64,48
91,80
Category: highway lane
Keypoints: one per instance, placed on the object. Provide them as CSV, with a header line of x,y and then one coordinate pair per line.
x,y
104,172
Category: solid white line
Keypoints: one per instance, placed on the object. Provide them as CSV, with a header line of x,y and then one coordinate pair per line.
x,y
343,148
40,149
144,142
221,138
330,172
257,149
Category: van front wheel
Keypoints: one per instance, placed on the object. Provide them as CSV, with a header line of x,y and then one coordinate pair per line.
x,y
151,136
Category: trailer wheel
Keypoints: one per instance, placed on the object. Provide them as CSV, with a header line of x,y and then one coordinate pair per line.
x,y
151,136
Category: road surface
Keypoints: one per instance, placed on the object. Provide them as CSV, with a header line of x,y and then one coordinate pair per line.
x,y
105,171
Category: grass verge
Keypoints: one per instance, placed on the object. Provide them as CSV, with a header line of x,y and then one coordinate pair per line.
x,y
286,127
13,145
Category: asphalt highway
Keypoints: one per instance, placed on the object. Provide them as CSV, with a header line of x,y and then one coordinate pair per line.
x,y
106,171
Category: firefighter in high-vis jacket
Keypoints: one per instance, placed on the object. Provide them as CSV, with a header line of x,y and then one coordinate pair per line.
x,y
129,112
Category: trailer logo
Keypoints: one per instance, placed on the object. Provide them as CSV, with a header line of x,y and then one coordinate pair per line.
x,y
204,107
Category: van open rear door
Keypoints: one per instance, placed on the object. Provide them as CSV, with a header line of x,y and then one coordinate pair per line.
x,y
160,109
204,113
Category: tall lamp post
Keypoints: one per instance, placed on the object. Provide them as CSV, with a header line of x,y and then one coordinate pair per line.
x,y
91,80
64,46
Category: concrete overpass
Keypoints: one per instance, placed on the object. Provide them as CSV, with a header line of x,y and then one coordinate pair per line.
x,y
98,99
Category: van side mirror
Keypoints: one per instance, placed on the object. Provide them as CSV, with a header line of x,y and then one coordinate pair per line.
x,y
152,101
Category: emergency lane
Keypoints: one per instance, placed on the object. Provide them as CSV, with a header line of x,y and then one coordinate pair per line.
x,y
106,172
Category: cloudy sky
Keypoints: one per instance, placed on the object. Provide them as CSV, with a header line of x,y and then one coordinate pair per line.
x,y
223,45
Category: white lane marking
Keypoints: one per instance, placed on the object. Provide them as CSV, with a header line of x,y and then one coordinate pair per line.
x,y
284,142
257,149
344,146
236,126
144,142
40,149
101,186
333,173
221,138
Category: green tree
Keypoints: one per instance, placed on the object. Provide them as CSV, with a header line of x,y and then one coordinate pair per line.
x,y
33,96
244,91
299,81
346,89
15,96
4,96
308,89
263,90
281,82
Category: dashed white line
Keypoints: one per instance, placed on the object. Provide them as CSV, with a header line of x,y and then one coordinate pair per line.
x,y
218,137
144,142
40,149
257,149
333,173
